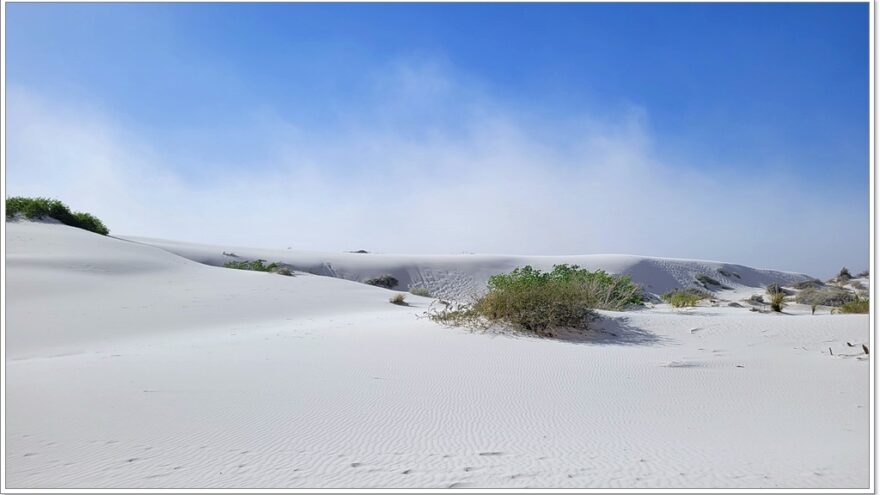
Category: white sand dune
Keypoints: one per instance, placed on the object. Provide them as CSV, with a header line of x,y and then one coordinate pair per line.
x,y
131,367
460,276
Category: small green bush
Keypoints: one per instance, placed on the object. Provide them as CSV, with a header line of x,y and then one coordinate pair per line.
x,y
39,208
858,306
863,274
258,266
420,291
536,302
844,274
385,281
777,300
825,296
398,299
684,298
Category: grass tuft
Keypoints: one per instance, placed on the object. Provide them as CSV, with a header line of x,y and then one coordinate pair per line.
x,y
777,300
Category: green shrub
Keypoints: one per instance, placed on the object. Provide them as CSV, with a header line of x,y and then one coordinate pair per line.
x,y
420,291
777,301
863,274
684,298
39,208
258,266
385,281
90,222
536,302
844,274
398,299
858,306
825,296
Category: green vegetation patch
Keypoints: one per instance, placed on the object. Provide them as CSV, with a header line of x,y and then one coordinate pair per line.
x,y
858,306
684,298
536,302
825,296
385,281
40,208
258,266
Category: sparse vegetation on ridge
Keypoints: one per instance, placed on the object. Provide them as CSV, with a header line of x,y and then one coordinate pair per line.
x,y
258,266
385,281
537,302
398,299
709,283
809,284
825,296
420,291
39,208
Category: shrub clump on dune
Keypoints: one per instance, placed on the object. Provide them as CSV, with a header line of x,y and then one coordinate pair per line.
x,y
809,284
825,296
258,266
39,208
537,302
385,281
857,306
398,299
420,291
777,299
684,298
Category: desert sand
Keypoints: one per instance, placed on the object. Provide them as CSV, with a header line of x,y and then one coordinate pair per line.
x,y
134,363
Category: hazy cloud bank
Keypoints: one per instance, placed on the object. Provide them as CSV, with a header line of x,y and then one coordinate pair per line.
x,y
430,165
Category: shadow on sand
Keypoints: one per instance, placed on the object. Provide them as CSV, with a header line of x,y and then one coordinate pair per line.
x,y
610,331
601,331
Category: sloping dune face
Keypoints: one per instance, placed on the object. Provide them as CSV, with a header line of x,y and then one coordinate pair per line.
x,y
128,366
70,287
463,276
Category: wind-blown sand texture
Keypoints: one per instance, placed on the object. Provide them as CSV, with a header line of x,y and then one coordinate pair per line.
x,y
129,366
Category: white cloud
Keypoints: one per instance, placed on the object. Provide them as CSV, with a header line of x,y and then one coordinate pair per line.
x,y
493,180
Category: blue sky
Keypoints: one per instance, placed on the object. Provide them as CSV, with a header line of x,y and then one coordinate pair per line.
x,y
755,110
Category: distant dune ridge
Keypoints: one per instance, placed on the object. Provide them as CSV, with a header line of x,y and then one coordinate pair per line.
x,y
134,363
460,276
